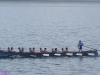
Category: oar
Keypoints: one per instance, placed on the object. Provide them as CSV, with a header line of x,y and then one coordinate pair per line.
x,y
88,47
91,48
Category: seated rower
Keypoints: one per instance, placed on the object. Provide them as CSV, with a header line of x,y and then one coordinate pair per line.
x,y
45,50
9,49
41,51
12,50
66,49
30,50
56,50
22,50
53,51
33,50
63,50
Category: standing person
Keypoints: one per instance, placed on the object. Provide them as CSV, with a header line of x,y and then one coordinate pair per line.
x,y
80,44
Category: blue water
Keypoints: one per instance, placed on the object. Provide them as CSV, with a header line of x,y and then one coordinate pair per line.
x,y
50,25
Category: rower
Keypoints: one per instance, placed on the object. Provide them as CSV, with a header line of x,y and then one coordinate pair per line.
x,y
12,49
33,50
30,50
53,51
56,50
63,50
45,50
9,49
19,50
22,50
66,49
41,51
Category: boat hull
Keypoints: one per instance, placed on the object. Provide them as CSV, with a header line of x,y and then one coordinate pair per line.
x,y
69,54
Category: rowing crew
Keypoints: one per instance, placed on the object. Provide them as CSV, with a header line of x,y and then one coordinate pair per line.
x,y
32,50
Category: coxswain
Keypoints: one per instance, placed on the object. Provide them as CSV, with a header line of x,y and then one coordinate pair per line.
x,y
80,44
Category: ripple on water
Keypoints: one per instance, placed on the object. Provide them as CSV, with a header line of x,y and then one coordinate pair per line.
x,y
51,27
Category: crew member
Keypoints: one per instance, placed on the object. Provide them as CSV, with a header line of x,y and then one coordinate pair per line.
x,y
80,44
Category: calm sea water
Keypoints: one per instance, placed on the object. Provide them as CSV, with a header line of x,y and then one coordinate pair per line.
x,y
50,25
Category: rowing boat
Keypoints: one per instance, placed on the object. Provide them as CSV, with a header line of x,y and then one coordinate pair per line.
x,y
48,54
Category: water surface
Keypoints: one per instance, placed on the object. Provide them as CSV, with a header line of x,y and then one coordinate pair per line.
x,y
50,25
